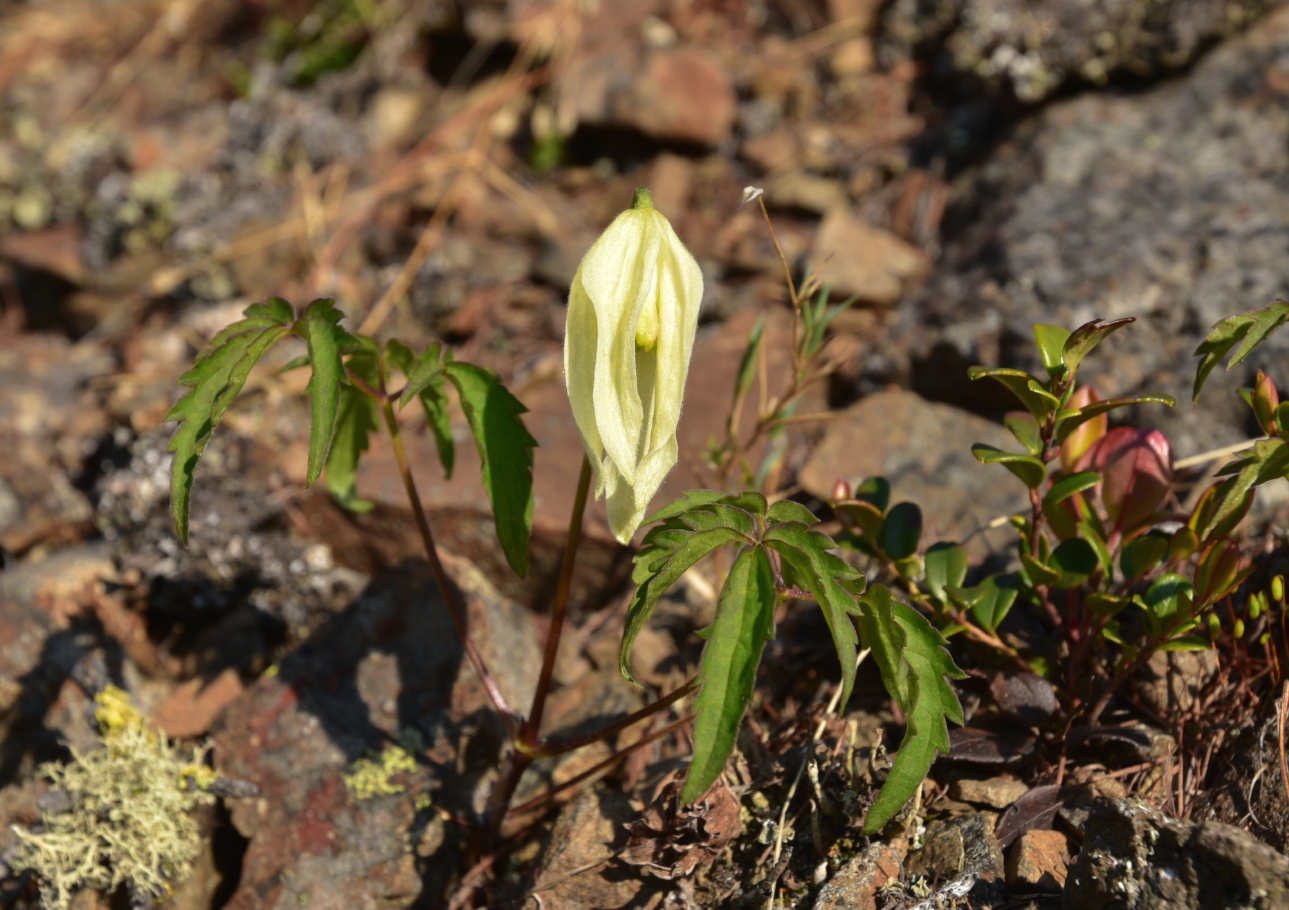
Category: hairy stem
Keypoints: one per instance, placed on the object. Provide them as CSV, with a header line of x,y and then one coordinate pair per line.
x,y
530,731
451,596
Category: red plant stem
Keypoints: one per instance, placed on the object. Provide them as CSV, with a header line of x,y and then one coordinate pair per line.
x,y
530,731
451,596
546,749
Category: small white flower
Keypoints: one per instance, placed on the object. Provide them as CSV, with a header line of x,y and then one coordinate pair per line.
x,y
632,314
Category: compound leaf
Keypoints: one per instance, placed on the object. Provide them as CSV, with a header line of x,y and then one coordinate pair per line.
x,y
327,341
827,578
426,381
1251,328
359,417
506,450
744,622
214,380
1087,336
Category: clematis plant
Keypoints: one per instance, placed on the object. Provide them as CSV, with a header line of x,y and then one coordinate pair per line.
x,y
632,314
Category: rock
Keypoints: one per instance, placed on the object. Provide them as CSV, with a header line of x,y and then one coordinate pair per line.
x,y
855,885
801,190
1136,858
924,450
996,792
572,874
1172,681
961,845
1245,786
680,94
853,57
196,704
1167,205
1038,862
1033,49
861,260
387,669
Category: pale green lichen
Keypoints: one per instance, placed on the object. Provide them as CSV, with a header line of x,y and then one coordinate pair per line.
x,y
130,816
371,776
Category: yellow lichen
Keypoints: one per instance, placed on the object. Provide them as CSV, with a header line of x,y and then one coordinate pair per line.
x,y
371,776
129,819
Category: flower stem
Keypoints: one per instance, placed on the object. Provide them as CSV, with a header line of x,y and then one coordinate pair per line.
x,y
531,728
451,596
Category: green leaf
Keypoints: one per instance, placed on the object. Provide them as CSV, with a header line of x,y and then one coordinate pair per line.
x,y
930,700
1018,381
506,451
805,550
692,499
1067,486
1051,347
1087,336
787,510
1029,469
1251,328
1076,418
1025,430
214,380
991,600
1039,572
359,416
427,382
747,366
946,566
1075,559
876,491
327,341
1143,554
744,622
1186,643
666,553
901,531
864,515
1094,537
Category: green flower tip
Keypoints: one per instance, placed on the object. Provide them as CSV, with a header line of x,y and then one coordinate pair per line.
x,y
643,199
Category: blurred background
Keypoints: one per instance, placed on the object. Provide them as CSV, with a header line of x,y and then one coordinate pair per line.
x,y
963,168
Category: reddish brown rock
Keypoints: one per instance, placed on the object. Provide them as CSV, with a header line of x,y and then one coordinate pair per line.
x,y
1039,862
855,885
868,262
681,94
193,707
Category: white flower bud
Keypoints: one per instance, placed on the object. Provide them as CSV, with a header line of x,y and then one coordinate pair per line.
x,y
632,314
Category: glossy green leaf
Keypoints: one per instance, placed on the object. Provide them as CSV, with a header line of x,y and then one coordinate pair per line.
x,y
875,491
1247,330
806,550
216,377
1068,485
946,566
327,342
1163,597
1051,341
1018,381
1029,469
929,702
902,530
990,601
1186,643
1087,336
744,622
1075,560
359,417
1077,418
1143,554
1039,572
864,515
506,451
1025,430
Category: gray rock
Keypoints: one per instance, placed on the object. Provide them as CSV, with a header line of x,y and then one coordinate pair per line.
x,y
1136,858
1034,48
855,885
964,845
1171,206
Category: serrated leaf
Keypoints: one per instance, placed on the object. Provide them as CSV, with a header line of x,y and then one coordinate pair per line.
x,y
691,499
506,449
1076,418
927,668
1087,336
327,341
666,553
426,381
787,510
1018,381
1247,329
1067,486
216,377
359,416
1030,470
820,571
744,622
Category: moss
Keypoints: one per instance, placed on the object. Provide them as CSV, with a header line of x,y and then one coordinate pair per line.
x,y
130,820
371,776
